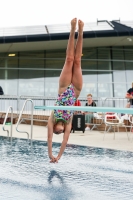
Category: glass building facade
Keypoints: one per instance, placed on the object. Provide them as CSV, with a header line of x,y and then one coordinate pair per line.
x,y
107,71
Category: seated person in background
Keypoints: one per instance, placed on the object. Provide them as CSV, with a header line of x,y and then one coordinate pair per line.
x,y
129,95
89,115
77,103
1,91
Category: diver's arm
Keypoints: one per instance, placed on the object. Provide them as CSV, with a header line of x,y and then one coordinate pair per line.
x,y
65,140
49,137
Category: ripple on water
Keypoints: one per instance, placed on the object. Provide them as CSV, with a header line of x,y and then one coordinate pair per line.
x,y
82,173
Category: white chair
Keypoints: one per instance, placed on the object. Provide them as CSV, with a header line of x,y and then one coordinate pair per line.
x,y
98,119
115,123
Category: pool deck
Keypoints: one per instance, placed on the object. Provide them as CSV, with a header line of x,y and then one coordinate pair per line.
x,y
89,138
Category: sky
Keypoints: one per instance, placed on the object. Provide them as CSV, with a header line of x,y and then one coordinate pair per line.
x,y
15,13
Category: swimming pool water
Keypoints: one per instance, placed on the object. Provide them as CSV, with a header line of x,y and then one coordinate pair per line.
x,y
83,173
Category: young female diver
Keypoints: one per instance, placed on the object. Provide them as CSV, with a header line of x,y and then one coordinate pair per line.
x,y
70,85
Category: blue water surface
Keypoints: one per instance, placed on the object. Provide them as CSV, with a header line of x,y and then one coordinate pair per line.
x,y
83,173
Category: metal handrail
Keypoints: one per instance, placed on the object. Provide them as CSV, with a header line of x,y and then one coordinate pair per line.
x,y
19,119
3,126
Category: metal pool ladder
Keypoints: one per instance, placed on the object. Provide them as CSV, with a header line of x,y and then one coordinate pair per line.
x,y
19,119
3,126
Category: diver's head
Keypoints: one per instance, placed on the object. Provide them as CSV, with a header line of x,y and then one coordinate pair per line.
x,y
59,127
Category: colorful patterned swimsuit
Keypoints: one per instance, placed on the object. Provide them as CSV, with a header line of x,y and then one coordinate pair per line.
x,y
67,98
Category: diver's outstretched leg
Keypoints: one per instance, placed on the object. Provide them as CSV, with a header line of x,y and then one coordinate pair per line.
x,y
66,74
77,72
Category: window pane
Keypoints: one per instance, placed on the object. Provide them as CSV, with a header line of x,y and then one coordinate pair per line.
x,y
9,81
90,53
31,59
87,65
129,75
8,61
119,76
118,58
104,65
104,54
120,90
105,77
129,58
51,86
55,59
89,88
118,65
105,90
31,82
89,59
52,82
89,83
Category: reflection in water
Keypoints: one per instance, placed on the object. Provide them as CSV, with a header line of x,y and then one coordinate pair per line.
x,y
59,190
53,174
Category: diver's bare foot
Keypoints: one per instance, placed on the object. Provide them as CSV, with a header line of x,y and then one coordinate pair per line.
x,y
73,24
80,26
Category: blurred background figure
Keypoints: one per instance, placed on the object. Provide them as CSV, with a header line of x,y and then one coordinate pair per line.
x,y
129,95
1,91
89,115
77,103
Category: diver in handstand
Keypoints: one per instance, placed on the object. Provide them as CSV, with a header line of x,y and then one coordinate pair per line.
x,y
70,85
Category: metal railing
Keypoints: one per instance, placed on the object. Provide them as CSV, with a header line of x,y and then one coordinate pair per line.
x,y
9,100
115,102
38,115
4,123
17,102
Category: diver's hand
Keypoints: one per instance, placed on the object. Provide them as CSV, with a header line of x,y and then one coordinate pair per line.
x,y
56,159
52,159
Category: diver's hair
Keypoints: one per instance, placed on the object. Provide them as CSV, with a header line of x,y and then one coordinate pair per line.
x,y
56,133
89,95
